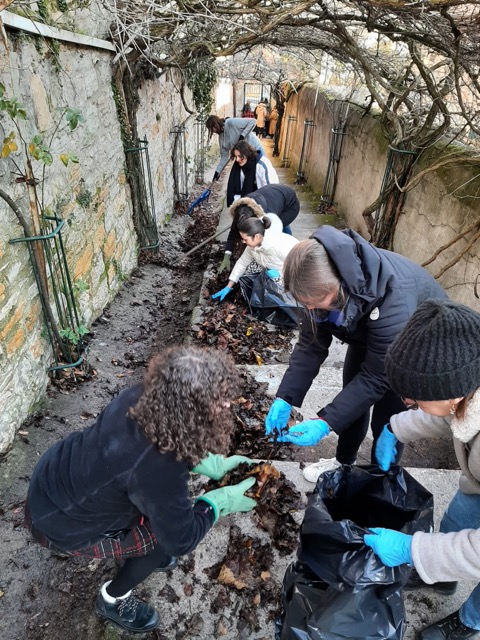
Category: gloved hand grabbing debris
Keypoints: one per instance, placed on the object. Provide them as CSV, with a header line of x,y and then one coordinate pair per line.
x,y
277,417
215,466
386,448
392,547
225,264
221,294
307,433
230,499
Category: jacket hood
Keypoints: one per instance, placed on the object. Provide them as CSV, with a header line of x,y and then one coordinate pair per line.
x,y
249,202
357,261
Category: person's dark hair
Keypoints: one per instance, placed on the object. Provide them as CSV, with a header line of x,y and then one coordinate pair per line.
x,y
251,225
246,150
183,407
214,122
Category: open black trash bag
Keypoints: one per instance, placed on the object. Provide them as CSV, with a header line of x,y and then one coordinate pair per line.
x,y
339,588
268,301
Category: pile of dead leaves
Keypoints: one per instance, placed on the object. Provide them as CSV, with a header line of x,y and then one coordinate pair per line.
x,y
277,501
228,326
250,412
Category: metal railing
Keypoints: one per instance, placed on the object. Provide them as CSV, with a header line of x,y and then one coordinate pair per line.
x,y
307,130
61,291
141,181
291,120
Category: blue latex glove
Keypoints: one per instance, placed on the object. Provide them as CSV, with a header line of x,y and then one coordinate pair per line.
x,y
392,547
306,433
277,417
273,273
221,294
386,449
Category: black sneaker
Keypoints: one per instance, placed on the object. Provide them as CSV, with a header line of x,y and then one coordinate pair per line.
x,y
130,613
415,582
450,628
171,564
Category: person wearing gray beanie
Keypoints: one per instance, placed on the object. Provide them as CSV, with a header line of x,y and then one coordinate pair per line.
x,y
434,365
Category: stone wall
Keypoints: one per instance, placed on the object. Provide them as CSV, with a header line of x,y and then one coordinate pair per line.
x,y
442,205
93,197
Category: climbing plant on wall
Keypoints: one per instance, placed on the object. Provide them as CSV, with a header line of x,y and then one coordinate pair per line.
x,y
201,76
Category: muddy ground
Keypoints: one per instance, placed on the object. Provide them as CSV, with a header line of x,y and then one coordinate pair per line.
x,y
45,597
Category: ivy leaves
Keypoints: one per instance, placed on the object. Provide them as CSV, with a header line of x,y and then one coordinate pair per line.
x,y
201,76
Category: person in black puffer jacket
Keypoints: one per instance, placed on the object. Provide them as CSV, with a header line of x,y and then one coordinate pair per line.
x,y
364,296
119,489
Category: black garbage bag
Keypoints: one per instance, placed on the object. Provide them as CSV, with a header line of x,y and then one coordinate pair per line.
x,y
339,588
267,300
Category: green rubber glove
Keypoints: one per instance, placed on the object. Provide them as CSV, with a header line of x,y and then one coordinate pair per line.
x,y
215,466
230,499
225,264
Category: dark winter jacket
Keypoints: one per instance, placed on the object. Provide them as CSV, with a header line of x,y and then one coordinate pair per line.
x,y
273,198
103,479
383,290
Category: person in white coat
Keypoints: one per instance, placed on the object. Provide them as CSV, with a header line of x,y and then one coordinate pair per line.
x,y
266,244
230,131
434,365
250,172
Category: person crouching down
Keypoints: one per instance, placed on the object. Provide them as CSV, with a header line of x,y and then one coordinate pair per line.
x,y
266,244
119,489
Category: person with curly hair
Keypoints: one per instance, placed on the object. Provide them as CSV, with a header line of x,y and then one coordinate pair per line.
x,y
119,489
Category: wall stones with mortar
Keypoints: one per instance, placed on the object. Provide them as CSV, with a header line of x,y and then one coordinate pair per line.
x,y
162,110
436,211
93,197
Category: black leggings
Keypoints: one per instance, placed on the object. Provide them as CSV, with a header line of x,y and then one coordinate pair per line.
x,y
135,570
349,441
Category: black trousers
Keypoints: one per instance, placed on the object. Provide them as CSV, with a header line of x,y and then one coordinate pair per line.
x,y
350,440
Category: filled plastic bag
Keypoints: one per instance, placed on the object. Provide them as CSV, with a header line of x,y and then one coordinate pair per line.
x,y
267,300
339,588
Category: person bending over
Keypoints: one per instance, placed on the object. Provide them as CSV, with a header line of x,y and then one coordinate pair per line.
x,y
266,244
279,199
434,364
119,489
230,131
363,296
249,172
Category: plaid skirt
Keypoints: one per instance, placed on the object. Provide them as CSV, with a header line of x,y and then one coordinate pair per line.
x,y
119,545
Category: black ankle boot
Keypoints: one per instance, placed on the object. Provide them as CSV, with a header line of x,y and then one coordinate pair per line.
x,y
450,628
415,582
170,564
130,613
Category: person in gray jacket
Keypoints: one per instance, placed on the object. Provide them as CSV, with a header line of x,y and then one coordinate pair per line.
x,y
230,131
434,364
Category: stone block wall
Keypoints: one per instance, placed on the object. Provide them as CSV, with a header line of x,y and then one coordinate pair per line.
x,y
442,205
93,197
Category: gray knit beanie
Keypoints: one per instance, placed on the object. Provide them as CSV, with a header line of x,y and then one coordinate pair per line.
x,y
437,355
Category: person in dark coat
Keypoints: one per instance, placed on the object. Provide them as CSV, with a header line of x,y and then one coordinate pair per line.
x,y
249,172
364,296
279,199
120,488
